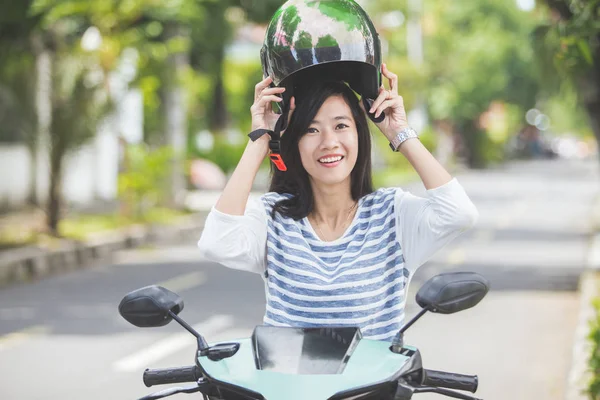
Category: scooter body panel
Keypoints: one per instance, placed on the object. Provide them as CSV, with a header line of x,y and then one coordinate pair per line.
x,y
240,370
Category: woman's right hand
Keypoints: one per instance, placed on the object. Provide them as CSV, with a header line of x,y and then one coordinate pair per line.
x,y
263,116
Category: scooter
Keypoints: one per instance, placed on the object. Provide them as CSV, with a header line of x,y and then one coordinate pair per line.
x,y
287,363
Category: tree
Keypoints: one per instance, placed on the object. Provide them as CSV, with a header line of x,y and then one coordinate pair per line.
x,y
78,107
568,48
476,56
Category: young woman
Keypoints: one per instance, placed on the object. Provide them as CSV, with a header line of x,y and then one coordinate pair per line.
x,y
332,251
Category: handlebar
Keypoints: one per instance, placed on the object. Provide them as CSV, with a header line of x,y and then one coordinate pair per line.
x,y
450,380
170,375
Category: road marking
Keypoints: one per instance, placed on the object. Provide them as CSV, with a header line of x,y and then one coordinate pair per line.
x,y
456,256
517,209
17,313
15,338
171,344
484,235
184,282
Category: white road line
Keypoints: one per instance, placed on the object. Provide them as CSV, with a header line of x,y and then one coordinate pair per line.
x,y
456,256
17,313
15,338
171,344
484,235
184,282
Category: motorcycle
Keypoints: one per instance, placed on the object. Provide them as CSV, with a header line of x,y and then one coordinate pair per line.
x,y
288,363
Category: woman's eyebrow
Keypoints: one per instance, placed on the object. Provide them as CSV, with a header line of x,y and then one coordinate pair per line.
x,y
339,117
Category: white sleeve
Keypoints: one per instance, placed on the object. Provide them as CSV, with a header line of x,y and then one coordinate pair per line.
x,y
426,225
236,241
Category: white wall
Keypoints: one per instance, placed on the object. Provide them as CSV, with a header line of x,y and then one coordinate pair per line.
x,y
90,173
15,174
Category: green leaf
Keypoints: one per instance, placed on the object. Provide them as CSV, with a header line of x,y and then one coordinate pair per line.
x,y
584,48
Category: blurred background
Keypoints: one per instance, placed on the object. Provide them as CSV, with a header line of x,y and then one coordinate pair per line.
x,y
121,113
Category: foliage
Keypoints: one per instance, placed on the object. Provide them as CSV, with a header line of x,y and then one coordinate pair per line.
x,y
144,183
225,152
79,104
17,106
240,79
488,62
568,39
593,389
568,48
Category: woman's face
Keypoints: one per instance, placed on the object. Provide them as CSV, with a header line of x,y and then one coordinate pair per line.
x,y
329,148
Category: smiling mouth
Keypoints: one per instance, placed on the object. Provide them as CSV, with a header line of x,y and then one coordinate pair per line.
x,y
330,160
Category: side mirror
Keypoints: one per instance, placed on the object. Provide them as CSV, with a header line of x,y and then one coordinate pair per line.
x,y
150,306
452,292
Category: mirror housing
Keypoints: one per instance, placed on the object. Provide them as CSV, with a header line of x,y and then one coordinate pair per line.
x,y
451,292
150,306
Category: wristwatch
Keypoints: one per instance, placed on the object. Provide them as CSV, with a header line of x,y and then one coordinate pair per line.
x,y
402,136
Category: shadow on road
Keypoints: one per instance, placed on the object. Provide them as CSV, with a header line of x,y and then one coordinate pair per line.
x,y
511,278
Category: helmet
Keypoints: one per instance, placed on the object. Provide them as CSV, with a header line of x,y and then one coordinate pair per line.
x,y
310,40
322,39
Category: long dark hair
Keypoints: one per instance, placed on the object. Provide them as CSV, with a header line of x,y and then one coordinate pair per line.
x,y
295,180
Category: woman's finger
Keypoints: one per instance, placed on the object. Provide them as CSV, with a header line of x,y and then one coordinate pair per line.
x,y
383,96
269,91
292,108
260,86
392,79
264,100
384,106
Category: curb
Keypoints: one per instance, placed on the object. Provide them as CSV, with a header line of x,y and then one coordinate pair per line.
x,y
589,288
31,263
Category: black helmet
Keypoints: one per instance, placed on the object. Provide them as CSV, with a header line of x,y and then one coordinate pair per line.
x,y
310,40
322,39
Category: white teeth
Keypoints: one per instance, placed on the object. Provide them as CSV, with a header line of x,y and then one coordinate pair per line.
x,y
330,159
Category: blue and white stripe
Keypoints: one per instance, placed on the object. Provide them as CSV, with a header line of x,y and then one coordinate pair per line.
x,y
357,280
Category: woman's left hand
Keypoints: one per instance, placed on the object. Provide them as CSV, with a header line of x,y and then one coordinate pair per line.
x,y
391,104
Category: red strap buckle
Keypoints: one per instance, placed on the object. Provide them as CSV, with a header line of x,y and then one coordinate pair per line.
x,y
278,161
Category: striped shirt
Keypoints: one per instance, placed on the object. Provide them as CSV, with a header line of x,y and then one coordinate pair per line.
x,y
359,279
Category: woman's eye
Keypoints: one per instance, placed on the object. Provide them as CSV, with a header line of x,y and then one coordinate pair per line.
x,y
311,130
341,126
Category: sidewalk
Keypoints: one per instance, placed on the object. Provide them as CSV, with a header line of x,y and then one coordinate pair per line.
x,y
31,262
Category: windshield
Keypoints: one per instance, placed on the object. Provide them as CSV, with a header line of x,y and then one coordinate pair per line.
x,y
303,350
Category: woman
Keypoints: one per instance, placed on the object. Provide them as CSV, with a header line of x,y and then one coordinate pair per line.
x,y
332,251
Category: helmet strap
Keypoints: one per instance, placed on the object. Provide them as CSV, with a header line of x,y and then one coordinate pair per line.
x,y
275,142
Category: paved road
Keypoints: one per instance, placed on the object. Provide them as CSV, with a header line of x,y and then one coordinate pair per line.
x,y
62,338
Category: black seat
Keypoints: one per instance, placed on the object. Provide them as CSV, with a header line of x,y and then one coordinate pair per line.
x,y
303,350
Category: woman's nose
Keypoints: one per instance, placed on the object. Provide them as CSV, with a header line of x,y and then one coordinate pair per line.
x,y
329,140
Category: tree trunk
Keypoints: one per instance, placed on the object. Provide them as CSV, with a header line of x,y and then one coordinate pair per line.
x,y
472,140
593,110
176,116
589,88
219,118
43,104
53,206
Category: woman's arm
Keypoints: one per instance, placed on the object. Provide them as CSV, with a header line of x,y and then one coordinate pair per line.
x,y
235,195
389,102
236,241
424,225
432,173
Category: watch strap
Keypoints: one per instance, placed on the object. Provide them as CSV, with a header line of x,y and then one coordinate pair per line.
x,y
402,136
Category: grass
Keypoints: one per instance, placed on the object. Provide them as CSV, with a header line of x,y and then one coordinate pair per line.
x,y
11,238
82,226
